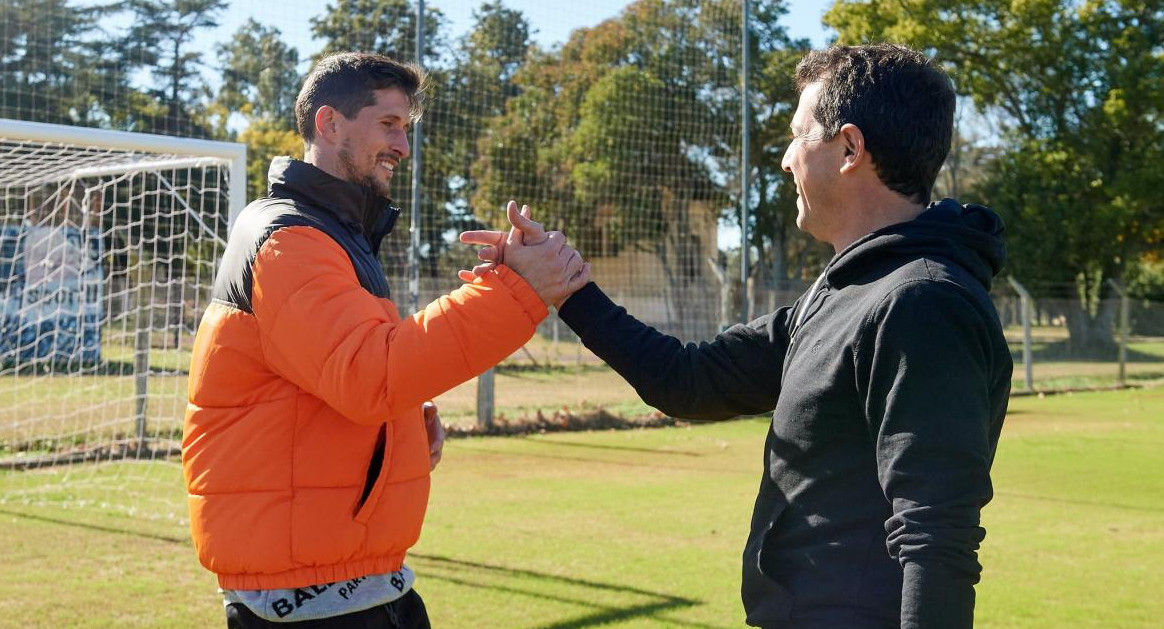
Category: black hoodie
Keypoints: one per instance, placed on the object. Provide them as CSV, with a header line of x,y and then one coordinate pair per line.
x,y
887,399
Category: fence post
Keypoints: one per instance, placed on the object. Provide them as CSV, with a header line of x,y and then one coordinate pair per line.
x,y
1124,325
745,168
485,399
414,224
1025,314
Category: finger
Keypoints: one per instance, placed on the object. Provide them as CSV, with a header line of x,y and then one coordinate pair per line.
x,y
482,237
530,238
556,240
468,276
580,279
487,254
574,263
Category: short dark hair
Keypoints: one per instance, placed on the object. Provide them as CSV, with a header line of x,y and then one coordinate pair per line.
x,y
902,102
348,81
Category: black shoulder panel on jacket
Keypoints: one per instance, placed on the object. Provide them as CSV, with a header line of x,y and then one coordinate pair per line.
x,y
262,218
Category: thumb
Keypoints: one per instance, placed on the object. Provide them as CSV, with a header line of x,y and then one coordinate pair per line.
x,y
529,231
516,234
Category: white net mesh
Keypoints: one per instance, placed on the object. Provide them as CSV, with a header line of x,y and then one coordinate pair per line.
x,y
107,259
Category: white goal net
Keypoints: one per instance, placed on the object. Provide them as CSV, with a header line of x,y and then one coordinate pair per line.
x,y
108,246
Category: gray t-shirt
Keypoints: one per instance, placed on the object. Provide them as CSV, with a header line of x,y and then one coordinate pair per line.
x,y
325,600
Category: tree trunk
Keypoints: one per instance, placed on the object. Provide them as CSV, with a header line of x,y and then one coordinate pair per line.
x,y
1092,336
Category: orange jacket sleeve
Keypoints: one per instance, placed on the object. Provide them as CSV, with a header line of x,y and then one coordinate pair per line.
x,y
321,330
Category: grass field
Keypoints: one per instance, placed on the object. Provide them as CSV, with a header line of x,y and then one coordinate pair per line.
x,y
544,376
644,529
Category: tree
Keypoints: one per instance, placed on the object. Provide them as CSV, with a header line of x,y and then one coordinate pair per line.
x,y
259,75
159,40
635,121
787,257
266,138
472,90
1078,89
260,82
52,69
387,27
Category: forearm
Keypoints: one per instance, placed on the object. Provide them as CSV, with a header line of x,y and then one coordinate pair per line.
x,y
736,374
936,596
321,330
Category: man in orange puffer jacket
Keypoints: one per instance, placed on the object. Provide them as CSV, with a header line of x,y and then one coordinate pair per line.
x,y
308,442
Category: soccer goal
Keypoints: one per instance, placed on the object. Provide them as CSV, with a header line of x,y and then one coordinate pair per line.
x,y
108,246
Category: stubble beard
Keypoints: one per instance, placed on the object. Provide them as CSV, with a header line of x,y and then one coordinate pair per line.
x,y
368,180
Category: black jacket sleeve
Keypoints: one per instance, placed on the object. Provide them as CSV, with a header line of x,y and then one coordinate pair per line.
x,y
738,373
925,361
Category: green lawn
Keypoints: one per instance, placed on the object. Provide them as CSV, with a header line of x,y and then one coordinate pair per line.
x,y
640,529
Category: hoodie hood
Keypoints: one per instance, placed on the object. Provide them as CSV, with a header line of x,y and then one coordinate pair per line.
x,y
360,207
970,236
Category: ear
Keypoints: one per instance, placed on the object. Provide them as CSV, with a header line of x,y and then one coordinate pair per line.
x,y
853,141
326,118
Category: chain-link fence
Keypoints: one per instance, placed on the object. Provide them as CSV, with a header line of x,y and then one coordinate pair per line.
x,y
620,123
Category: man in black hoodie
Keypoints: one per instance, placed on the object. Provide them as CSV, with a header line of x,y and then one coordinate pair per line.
x,y
887,381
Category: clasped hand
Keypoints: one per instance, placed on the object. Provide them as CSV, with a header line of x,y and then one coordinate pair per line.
x,y
551,266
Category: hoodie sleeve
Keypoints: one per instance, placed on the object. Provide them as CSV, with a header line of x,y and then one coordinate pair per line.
x,y
321,330
926,362
738,373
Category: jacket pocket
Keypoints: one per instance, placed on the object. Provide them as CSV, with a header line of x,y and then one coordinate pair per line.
x,y
765,600
374,480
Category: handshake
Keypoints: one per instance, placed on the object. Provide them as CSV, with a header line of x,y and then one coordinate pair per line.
x,y
553,268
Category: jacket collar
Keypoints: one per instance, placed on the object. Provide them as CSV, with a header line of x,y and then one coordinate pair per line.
x,y
357,206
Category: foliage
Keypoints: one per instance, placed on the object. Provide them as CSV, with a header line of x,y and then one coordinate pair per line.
x,y
1078,89
160,40
266,139
384,26
259,76
51,67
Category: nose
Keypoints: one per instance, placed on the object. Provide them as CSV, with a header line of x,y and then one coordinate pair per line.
x,y
400,144
786,161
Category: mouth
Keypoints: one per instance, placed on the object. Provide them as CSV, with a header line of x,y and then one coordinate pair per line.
x,y
388,165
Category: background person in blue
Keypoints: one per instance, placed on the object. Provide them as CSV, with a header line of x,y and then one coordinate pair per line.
x,y
887,381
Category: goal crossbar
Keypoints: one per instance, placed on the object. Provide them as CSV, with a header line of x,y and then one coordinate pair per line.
x,y
189,149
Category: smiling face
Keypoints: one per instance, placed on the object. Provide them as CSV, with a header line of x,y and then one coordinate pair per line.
x,y
814,165
372,145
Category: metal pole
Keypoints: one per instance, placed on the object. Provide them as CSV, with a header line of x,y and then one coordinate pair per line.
x,y
1124,325
745,169
485,400
1025,308
414,224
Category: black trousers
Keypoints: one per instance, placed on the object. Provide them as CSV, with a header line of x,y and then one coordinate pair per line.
x,y
406,612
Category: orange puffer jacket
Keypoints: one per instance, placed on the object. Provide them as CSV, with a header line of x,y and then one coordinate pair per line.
x,y
305,452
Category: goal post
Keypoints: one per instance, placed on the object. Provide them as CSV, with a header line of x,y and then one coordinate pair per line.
x,y
109,242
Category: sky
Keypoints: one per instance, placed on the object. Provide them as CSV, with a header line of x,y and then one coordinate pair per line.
x,y
552,21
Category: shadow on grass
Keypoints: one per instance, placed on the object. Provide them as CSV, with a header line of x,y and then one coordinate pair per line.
x,y
599,461
1063,351
1080,502
184,541
589,593
573,444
